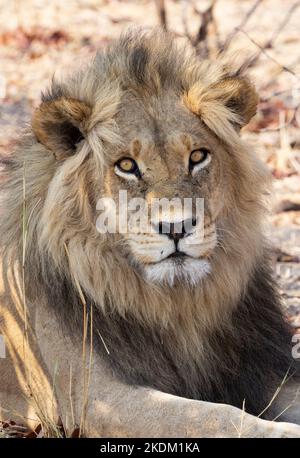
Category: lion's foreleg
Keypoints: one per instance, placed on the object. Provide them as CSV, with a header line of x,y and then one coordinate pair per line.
x,y
105,407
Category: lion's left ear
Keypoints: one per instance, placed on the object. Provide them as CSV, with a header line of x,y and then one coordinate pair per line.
x,y
236,94
59,125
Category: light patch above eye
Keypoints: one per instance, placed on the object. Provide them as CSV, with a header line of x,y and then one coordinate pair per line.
x,y
198,159
127,168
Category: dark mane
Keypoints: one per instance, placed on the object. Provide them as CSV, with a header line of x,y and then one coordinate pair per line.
x,y
245,360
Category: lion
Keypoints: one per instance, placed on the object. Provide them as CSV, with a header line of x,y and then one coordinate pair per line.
x,y
172,331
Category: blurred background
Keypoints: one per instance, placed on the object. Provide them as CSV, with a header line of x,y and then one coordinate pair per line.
x,y
41,37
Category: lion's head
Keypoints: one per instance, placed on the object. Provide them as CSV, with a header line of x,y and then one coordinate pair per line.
x,y
150,118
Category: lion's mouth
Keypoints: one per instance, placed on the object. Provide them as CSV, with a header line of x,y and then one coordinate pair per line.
x,y
177,256
177,267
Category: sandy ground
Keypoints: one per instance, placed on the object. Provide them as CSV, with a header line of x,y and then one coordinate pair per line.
x,y
39,38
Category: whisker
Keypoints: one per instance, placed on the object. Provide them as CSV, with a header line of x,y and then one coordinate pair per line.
x,y
221,245
220,229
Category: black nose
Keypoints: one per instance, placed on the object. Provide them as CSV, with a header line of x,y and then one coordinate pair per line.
x,y
175,231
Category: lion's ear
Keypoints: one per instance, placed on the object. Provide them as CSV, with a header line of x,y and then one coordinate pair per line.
x,y
239,95
59,125
234,93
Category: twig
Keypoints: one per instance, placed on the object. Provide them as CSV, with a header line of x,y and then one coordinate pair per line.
x,y
206,19
276,33
242,24
274,79
184,5
278,93
282,25
161,10
206,24
263,51
284,124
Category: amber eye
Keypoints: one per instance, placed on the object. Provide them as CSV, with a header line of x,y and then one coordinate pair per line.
x,y
197,157
128,165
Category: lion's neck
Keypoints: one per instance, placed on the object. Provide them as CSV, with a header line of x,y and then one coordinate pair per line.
x,y
116,287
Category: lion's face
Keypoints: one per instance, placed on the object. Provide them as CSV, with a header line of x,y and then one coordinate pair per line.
x,y
162,127
168,154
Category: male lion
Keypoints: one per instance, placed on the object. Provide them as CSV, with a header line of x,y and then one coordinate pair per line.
x,y
143,333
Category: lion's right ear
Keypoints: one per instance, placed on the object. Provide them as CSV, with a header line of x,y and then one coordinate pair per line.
x,y
234,96
60,125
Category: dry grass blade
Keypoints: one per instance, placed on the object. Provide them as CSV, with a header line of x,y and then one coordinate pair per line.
x,y
285,378
24,237
288,406
70,398
85,371
103,341
239,429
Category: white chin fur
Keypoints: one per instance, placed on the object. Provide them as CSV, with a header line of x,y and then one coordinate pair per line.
x,y
168,271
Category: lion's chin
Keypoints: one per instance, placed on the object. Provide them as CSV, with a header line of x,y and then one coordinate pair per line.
x,y
170,272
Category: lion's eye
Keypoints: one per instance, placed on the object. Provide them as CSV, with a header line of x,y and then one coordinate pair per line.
x,y
128,166
198,156
198,159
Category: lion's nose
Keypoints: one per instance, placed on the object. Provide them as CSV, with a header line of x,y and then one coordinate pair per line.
x,y
175,230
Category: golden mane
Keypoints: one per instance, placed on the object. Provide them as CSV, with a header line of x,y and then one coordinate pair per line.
x,y
60,196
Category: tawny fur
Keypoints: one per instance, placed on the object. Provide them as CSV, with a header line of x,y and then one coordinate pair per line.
x,y
84,124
